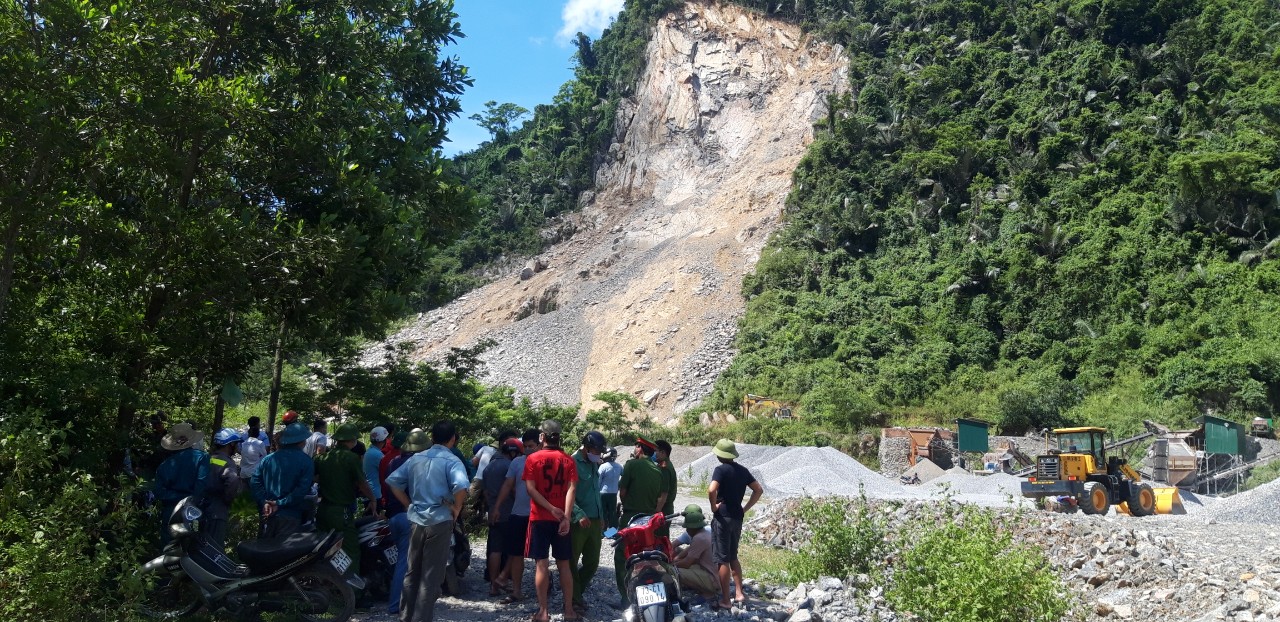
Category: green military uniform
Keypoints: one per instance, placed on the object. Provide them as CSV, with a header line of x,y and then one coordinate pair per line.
x,y
669,482
586,540
644,482
339,473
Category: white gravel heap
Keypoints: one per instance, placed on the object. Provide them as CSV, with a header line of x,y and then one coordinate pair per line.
x,y
1260,505
804,471
926,470
787,472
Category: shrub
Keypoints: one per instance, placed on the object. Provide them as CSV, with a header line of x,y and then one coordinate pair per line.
x,y
968,569
846,541
65,538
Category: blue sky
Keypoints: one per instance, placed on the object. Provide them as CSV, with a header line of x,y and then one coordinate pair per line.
x,y
518,51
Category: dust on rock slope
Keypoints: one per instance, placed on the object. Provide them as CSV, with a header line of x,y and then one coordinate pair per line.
x,y
645,296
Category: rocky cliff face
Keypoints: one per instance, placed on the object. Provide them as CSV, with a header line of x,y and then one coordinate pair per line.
x,y
644,297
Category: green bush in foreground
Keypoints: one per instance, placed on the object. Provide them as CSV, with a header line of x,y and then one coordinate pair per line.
x,y
846,541
968,569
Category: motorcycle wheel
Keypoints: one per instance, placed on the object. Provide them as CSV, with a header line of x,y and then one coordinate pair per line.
x,y
177,598
327,596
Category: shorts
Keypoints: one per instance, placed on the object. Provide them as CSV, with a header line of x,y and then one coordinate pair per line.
x,y
496,541
545,534
517,531
725,535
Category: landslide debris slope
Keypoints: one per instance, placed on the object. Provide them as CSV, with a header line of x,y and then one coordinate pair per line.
x,y
645,296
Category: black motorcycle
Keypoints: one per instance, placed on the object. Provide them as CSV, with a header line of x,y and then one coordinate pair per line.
x,y
378,556
302,574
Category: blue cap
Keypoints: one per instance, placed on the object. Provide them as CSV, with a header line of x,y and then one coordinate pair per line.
x,y
476,448
227,436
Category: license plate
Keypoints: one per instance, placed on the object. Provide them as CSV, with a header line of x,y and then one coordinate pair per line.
x,y
651,594
392,554
340,561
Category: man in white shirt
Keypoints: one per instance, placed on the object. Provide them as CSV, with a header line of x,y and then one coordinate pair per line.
x,y
318,442
252,448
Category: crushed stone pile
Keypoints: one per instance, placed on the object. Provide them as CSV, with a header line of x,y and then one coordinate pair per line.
x,y
1258,506
926,470
683,455
995,490
803,471
1118,567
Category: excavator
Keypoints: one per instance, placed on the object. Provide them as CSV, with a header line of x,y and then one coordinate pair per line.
x,y
761,405
1076,473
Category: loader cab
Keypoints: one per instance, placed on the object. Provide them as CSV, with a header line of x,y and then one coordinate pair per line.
x,y
1084,441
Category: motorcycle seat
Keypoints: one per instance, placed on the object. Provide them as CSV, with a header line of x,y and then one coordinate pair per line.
x,y
365,520
268,554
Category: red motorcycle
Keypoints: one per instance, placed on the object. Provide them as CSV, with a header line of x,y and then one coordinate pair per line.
x,y
652,583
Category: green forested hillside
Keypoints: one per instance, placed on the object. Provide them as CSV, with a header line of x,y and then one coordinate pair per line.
x,y
525,178
1031,212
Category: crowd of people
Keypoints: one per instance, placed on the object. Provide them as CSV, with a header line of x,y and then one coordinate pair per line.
x,y
541,500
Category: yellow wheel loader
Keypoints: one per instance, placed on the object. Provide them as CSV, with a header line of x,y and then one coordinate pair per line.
x,y
1077,473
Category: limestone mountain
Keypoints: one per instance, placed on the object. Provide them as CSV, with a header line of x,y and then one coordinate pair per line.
x,y
645,294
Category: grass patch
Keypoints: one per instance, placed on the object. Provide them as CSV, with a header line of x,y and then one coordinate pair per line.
x,y
1262,475
765,563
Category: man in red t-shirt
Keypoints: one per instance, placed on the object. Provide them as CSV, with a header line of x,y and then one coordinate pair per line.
x,y
551,478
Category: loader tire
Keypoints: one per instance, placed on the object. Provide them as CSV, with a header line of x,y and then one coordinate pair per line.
x,y
1143,500
1095,499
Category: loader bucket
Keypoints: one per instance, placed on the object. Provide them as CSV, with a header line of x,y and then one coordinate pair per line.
x,y
1168,501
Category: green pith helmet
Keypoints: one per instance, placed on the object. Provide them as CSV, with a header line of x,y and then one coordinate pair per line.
x,y
693,518
418,440
347,432
726,449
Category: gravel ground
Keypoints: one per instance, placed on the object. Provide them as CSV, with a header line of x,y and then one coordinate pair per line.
x,y
1221,561
475,604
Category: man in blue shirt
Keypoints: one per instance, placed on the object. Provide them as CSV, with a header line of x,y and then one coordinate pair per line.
x,y
373,458
610,473
283,481
183,474
433,485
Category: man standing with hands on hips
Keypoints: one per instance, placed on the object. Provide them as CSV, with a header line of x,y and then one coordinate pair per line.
x,y
729,483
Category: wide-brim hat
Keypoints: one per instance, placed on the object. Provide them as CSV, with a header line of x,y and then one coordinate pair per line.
x,y
725,449
294,433
181,436
418,441
693,518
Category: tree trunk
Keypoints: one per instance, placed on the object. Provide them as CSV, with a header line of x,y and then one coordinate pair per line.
x,y
274,402
7,262
133,376
219,405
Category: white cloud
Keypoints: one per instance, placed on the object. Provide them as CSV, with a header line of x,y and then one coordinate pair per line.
x,y
538,41
587,16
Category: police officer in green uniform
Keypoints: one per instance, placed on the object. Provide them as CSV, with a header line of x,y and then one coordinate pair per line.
x,y
642,490
340,474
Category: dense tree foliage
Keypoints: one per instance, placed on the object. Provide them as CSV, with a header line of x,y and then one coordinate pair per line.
x,y
181,183
1031,212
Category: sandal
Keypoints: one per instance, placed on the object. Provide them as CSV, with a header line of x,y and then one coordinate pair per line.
x,y
510,600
